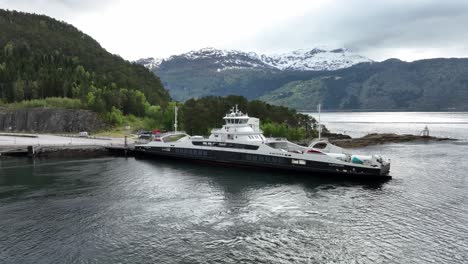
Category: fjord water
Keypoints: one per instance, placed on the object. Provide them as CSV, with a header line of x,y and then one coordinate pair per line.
x,y
126,210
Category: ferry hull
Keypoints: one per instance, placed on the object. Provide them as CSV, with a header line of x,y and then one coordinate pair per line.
x,y
266,162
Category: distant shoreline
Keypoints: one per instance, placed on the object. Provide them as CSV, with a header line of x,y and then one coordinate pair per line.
x,y
380,111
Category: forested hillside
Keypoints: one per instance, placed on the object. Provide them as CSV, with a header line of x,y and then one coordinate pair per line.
x,y
47,63
428,85
41,57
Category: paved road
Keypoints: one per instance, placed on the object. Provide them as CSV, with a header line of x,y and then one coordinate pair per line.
x,y
51,140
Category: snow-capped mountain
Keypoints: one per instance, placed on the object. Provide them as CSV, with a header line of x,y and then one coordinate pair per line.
x,y
299,60
150,63
314,60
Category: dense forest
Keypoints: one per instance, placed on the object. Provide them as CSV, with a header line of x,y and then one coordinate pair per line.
x,y
47,63
41,57
427,85
199,116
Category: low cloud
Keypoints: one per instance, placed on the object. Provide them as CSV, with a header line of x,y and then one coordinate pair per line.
x,y
57,8
380,29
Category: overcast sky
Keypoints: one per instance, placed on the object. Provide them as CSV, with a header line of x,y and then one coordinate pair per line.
x,y
378,29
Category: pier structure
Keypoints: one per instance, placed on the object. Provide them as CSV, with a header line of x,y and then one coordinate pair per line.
x,y
32,145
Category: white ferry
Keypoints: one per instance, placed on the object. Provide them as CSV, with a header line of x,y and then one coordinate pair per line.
x,y
241,142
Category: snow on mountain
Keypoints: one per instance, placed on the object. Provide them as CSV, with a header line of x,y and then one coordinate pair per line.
x,y
314,60
150,63
301,60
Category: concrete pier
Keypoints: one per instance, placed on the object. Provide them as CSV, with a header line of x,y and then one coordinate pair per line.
x,y
62,146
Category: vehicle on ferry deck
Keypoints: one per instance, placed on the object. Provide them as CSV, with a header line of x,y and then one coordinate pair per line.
x,y
241,142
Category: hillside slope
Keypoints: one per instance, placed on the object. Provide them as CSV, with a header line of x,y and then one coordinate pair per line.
x,y
431,85
222,72
41,57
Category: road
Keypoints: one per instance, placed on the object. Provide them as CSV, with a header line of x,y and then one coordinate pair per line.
x,y
52,140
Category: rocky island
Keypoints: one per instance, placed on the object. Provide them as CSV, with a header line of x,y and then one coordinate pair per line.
x,y
378,139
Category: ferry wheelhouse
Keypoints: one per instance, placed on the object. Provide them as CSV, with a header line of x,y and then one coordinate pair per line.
x,y
240,141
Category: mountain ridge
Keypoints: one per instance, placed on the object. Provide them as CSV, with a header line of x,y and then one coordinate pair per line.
x,y
302,60
428,85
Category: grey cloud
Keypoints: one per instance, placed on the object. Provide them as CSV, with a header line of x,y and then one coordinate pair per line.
x,y
365,25
56,8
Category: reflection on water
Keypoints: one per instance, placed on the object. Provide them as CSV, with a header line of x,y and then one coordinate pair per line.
x,y
117,210
358,124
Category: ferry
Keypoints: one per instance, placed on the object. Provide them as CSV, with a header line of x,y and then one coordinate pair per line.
x,y
241,142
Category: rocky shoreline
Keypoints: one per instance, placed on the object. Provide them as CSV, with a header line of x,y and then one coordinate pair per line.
x,y
346,141
379,139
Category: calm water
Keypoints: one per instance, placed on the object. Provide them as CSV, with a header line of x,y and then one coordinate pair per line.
x,y
117,210
358,124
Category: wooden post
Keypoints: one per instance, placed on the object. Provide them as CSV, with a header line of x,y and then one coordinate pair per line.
x,y
31,151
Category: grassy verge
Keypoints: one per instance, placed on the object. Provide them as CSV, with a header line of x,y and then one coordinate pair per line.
x,y
50,102
131,122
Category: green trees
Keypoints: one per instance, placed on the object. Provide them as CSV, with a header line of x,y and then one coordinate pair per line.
x,y
282,130
41,58
199,116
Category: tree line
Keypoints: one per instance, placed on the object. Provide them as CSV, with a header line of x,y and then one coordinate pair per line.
x,y
41,57
48,63
199,116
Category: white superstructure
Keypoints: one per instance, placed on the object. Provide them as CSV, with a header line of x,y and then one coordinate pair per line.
x,y
240,141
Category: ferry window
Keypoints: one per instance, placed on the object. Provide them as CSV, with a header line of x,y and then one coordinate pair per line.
x,y
320,145
260,158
